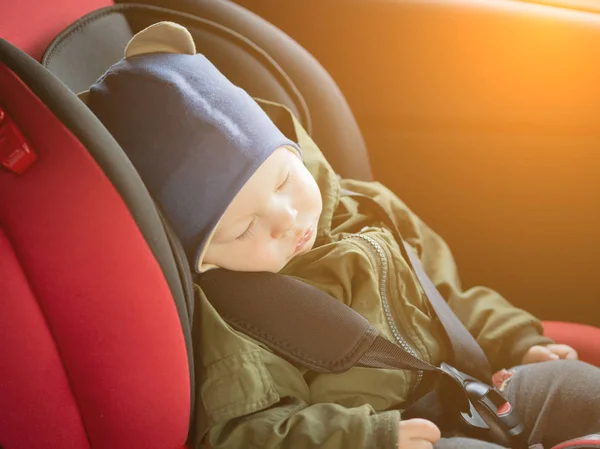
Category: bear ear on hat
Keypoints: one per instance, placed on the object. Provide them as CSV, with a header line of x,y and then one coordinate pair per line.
x,y
162,37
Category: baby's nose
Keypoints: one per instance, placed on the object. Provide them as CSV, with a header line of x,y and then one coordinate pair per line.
x,y
285,222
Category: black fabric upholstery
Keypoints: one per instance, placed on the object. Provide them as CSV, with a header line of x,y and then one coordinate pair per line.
x,y
86,49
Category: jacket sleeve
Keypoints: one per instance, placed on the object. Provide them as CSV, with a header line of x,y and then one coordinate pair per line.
x,y
293,424
247,397
503,331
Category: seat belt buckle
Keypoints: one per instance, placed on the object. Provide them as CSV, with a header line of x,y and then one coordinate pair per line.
x,y
16,152
483,411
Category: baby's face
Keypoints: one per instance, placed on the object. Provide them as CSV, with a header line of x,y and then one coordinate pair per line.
x,y
271,220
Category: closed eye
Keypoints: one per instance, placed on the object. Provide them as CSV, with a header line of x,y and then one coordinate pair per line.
x,y
286,181
248,233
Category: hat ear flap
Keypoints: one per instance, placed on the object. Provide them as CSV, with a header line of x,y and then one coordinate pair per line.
x,y
162,37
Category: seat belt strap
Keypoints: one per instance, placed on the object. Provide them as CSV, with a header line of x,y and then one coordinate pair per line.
x,y
313,330
467,354
302,323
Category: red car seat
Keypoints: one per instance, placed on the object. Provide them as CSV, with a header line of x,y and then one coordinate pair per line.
x,y
96,332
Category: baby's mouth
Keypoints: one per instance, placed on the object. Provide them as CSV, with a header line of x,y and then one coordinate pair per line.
x,y
304,239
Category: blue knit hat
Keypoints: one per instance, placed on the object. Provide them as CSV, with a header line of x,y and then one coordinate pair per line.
x,y
193,136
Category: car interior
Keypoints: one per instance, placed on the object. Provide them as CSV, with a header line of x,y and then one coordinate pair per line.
x,y
482,115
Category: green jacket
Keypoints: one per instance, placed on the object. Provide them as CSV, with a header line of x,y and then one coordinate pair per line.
x,y
249,398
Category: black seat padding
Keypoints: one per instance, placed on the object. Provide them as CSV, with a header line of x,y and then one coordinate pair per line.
x,y
251,52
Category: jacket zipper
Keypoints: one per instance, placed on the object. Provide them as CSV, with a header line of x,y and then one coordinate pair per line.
x,y
386,305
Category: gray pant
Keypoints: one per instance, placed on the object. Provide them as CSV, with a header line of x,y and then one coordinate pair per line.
x,y
557,401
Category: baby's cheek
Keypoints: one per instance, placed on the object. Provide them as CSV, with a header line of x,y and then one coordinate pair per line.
x,y
271,258
253,258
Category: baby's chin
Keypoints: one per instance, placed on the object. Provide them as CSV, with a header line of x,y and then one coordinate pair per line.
x,y
307,248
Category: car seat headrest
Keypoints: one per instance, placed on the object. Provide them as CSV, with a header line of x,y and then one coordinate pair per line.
x,y
249,51
162,37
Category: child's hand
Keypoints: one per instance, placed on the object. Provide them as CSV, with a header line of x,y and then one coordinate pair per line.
x,y
540,353
417,434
